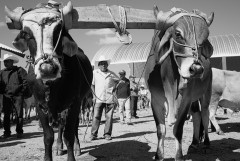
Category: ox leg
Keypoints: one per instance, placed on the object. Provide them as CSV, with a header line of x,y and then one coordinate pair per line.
x,y
59,143
70,130
205,119
178,130
196,118
214,122
48,135
77,149
159,117
212,112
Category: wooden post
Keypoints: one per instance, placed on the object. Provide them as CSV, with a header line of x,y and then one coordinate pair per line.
x,y
224,63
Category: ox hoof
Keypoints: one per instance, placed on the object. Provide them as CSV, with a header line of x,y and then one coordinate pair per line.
x,y
59,152
192,148
220,132
206,150
158,158
77,152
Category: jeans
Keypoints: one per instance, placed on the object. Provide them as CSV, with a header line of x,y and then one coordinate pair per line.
x,y
123,102
13,104
134,100
97,114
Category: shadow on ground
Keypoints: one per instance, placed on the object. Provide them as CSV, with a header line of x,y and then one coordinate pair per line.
x,y
120,151
14,140
230,127
222,150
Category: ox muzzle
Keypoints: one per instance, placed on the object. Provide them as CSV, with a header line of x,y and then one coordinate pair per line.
x,y
47,67
196,69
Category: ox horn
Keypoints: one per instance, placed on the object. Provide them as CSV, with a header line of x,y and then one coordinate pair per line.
x,y
15,16
210,19
67,15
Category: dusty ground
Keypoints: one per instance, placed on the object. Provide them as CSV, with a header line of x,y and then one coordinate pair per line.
x,y
130,142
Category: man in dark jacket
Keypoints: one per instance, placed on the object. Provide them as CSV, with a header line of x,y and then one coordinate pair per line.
x,y
13,83
123,96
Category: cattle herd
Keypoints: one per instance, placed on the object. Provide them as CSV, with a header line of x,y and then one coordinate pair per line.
x,y
178,74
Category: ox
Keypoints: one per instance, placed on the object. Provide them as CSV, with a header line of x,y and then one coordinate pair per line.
x,y
225,92
61,74
178,73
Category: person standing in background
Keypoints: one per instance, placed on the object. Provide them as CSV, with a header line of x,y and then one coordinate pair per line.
x,y
123,96
134,96
13,84
103,86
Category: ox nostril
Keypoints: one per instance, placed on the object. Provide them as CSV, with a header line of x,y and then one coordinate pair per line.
x,y
46,67
196,69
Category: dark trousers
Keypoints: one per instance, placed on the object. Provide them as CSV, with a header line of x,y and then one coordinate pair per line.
x,y
133,104
97,114
13,104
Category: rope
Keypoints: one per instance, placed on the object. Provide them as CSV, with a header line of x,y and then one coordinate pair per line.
x,y
123,35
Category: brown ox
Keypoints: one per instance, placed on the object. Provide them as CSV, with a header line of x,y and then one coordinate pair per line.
x,y
178,73
62,73
225,92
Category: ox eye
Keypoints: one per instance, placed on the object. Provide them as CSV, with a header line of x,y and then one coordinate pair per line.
x,y
25,35
178,35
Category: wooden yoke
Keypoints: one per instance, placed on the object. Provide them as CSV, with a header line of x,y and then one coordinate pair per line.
x,y
94,17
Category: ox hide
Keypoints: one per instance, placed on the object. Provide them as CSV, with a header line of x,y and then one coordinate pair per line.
x,y
177,75
60,74
225,93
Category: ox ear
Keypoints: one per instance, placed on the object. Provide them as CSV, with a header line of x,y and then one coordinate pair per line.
x,y
70,48
165,38
207,49
20,43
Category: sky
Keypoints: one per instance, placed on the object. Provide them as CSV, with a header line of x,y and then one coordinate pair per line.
x,y
226,21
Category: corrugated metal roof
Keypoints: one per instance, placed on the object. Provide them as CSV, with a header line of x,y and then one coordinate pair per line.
x,y
224,46
12,50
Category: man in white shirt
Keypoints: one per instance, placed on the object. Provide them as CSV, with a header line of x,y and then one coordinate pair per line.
x,y
103,85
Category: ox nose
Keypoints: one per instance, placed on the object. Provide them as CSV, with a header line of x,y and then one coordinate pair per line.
x,y
48,68
196,69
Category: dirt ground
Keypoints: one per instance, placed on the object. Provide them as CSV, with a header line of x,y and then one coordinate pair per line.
x,y
135,142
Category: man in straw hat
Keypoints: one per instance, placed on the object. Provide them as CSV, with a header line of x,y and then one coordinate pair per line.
x,y
103,86
12,85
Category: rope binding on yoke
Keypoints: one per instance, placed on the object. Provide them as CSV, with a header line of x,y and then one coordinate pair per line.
x,y
123,35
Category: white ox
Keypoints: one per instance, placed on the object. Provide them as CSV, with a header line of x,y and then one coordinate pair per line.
x,y
225,90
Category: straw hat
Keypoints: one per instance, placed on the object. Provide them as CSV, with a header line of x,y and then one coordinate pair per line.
x,y
102,58
10,57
